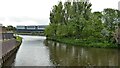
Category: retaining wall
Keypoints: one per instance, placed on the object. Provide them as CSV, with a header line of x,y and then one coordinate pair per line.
x,y
9,46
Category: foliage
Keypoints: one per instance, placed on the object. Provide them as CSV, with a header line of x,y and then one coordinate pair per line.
x,y
19,39
75,20
9,28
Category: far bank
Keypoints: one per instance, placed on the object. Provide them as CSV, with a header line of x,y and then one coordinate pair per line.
x,y
83,43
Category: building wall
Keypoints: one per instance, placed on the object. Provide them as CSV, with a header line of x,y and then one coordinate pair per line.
x,y
119,5
7,36
8,43
31,27
20,27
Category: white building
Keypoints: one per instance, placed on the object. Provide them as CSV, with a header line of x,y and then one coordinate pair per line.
x,y
119,5
20,27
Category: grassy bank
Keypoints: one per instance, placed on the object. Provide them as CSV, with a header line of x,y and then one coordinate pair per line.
x,y
83,43
19,39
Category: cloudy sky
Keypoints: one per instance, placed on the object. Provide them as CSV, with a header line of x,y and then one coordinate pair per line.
x,y
36,12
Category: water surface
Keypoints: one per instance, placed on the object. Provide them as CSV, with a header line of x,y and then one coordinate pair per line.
x,y
36,51
33,52
67,55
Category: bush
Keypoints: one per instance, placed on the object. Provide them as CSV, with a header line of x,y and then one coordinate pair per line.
x,y
50,30
18,38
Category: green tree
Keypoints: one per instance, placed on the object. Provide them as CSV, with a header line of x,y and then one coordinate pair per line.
x,y
109,18
10,28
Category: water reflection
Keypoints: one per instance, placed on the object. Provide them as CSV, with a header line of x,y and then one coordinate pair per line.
x,y
65,55
32,52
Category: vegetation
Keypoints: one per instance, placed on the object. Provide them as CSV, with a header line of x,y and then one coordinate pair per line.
x,y
9,28
19,39
74,23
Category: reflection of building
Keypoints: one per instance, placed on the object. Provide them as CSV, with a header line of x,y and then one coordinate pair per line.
x,y
32,28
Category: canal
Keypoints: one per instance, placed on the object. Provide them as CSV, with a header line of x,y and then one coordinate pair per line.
x,y
37,51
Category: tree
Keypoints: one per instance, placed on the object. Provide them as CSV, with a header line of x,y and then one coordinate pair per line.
x,y
81,15
109,18
75,19
10,28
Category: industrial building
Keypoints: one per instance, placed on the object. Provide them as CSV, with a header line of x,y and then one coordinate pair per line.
x,y
32,29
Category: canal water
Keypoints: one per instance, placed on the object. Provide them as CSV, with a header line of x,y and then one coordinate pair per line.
x,y
36,51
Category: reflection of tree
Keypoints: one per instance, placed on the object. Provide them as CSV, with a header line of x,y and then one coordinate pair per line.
x,y
65,55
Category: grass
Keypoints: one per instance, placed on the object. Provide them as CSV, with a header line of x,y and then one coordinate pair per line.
x,y
19,39
84,43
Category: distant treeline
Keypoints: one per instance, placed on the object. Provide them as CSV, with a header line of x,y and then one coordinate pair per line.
x,y
8,28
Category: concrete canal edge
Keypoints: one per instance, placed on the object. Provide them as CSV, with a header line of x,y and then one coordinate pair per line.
x,y
10,52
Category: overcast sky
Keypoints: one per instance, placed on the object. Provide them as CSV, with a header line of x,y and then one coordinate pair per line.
x,y
36,12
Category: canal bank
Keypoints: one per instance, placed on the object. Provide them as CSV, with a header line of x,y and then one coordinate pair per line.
x,y
83,43
10,45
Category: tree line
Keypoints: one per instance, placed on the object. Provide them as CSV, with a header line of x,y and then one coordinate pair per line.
x,y
76,20
9,28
